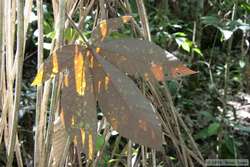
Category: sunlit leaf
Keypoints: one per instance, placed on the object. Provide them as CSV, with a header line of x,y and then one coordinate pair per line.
x,y
198,51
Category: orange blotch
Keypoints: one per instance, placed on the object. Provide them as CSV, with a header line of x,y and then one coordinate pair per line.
x,y
104,28
66,80
55,63
106,82
83,135
143,125
126,19
79,72
91,149
98,50
158,72
181,70
73,121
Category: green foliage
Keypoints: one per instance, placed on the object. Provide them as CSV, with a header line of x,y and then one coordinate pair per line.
x,y
211,130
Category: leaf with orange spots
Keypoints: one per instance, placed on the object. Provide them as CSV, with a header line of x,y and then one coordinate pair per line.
x,y
142,58
105,27
99,73
157,71
128,111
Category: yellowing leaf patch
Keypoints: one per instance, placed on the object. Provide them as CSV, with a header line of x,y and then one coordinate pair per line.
x,y
103,28
39,77
126,19
79,72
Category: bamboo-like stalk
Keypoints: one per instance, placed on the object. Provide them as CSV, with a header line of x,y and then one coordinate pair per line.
x,y
102,9
2,121
144,19
39,141
20,57
129,159
60,24
42,125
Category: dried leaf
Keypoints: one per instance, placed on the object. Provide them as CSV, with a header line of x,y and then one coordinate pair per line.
x,y
128,111
59,139
105,27
140,57
79,110
60,59
121,100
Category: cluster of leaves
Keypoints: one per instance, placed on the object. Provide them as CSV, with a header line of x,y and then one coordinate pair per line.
x,y
99,72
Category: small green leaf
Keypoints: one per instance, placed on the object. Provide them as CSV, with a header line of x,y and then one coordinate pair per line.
x,y
69,33
99,142
186,46
51,35
211,130
230,145
210,20
180,34
226,34
198,51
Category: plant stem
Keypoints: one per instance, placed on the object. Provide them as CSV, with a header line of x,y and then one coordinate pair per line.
x,y
20,57
144,19
39,140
